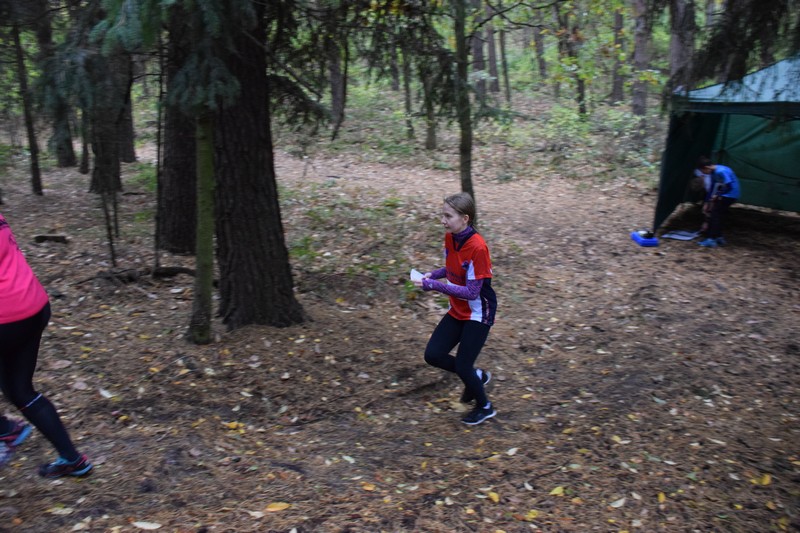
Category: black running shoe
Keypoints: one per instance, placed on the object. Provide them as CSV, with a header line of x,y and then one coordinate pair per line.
x,y
61,467
467,396
478,415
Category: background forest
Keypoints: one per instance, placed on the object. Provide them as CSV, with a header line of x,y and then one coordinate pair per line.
x,y
257,178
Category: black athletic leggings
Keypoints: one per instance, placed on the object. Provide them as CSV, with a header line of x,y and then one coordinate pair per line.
x,y
19,351
470,337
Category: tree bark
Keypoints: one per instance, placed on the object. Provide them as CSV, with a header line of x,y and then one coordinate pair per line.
x,y
641,57
177,186
200,331
337,83
127,135
61,140
681,46
617,81
538,43
256,284
110,79
429,107
491,49
407,93
463,108
27,108
478,59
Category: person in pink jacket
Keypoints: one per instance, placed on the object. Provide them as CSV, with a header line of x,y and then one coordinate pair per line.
x,y
24,313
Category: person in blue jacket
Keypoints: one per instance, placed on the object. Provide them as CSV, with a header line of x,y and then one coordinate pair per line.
x,y
723,192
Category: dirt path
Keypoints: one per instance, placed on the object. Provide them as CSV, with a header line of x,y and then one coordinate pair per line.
x,y
638,389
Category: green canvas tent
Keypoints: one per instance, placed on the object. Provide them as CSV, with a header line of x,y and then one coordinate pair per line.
x,y
751,125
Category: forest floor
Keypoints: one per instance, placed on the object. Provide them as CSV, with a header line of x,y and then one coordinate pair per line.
x,y
638,389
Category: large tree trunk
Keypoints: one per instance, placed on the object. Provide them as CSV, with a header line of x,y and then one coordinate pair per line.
x,y
177,187
27,108
255,276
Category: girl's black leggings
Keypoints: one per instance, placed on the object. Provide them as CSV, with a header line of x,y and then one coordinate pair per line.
x,y
19,351
470,337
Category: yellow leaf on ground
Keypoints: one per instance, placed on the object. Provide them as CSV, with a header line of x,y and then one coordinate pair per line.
x,y
368,486
494,497
662,497
558,491
274,507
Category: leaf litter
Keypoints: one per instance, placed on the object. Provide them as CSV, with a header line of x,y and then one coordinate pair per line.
x,y
633,392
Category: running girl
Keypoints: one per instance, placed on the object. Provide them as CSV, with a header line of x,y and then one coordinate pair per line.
x,y
24,313
467,281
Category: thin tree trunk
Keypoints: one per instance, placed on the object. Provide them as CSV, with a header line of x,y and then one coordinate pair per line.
x,y
430,110
617,81
337,84
394,70
27,107
494,82
61,140
641,57
86,128
200,331
127,135
407,94
538,43
641,62
478,60
504,63
462,96
681,46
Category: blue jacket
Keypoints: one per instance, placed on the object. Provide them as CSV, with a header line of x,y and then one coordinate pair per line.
x,y
724,183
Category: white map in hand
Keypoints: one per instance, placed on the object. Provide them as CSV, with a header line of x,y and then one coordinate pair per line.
x,y
416,275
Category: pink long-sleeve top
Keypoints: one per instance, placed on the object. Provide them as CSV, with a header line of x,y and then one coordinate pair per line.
x,y
21,294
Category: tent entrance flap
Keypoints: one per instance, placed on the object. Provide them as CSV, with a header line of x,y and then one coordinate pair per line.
x,y
690,136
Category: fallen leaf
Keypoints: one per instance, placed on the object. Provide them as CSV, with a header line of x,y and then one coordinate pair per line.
x,y
618,503
494,497
274,507
558,491
147,525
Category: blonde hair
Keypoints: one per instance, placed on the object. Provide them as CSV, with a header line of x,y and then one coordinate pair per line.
x,y
463,204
